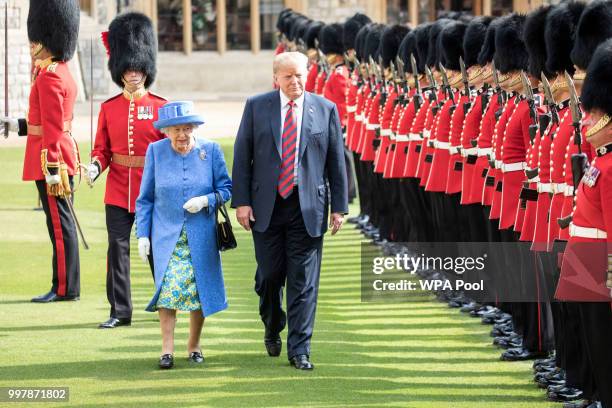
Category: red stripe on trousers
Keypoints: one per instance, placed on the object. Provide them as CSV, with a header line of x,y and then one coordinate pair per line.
x,y
59,245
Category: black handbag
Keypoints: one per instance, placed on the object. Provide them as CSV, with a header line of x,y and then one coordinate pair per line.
x,y
225,236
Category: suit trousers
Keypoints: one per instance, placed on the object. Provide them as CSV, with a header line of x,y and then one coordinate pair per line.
x,y
63,235
287,255
119,222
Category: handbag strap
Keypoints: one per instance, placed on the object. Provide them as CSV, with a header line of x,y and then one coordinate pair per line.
x,y
221,207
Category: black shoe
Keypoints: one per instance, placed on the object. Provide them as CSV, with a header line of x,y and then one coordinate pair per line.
x,y
52,297
195,357
301,362
521,354
114,322
582,404
565,394
354,220
467,308
274,345
166,361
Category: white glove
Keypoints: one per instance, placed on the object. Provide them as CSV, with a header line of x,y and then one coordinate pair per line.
x,y
12,122
92,172
144,248
52,179
195,204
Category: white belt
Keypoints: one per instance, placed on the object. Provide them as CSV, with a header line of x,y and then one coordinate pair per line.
x,y
544,187
426,133
371,126
510,167
569,190
472,151
402,138
455,149
585,232
441,145
385,132
536,179
558,188
415,137
351,108
498,163
484,151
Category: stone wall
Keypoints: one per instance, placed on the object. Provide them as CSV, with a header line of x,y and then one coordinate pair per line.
x,y
335,10
19,57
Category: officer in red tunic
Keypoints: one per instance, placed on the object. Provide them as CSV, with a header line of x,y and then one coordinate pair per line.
x,y
310,38
125,130
586,273
51,156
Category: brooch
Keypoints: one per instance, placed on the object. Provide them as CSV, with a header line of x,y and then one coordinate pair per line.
x,y
202,154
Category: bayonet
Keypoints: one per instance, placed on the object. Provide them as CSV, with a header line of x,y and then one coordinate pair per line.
x,y
533,127
464,77
415,74
579,160
550,100
447,87
498,89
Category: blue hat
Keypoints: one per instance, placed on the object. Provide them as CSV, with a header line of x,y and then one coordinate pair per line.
x,y
177,113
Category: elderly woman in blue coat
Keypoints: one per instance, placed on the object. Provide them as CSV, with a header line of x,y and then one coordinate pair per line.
x,y
175,214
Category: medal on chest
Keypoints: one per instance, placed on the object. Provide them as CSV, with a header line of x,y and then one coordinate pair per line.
x,y
145,113
590,176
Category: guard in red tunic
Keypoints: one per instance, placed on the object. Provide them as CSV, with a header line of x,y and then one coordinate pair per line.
x,y
51,155
586,273
125,130
310,38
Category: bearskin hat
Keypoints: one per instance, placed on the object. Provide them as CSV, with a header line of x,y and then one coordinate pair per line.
x,y
597,87
533,36
510,51
474,38
451,42
422,45
594,27
390,41
487,52
408,47
55,25
433,46
560,34
372,42
330,39
312,33
351,28
132,45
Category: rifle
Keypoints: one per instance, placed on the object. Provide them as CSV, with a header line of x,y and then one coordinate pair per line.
x,y
446,85
498,89
433,96
464,77
533,127
415,74
550,100
580,160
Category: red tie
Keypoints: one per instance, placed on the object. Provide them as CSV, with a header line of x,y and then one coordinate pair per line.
x,y
289,141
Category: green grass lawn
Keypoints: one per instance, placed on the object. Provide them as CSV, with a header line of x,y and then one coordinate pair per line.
x,y
412,354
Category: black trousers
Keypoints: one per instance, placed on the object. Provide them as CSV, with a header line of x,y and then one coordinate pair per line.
x,y
286,253
63,235
119,222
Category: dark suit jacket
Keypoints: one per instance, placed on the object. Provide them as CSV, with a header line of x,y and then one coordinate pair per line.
x,y
321,166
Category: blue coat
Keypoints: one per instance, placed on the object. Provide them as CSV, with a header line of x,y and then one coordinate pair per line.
x,y
168,181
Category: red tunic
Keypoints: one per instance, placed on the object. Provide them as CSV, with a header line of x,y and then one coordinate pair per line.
x,y
114,137
427,152
386,115
394,166
480,191
311,78
585,261
50,112
438,173
469,153
336,88
372,123
415,124
320,83
351,109
559,146
455,165
359,115
514,156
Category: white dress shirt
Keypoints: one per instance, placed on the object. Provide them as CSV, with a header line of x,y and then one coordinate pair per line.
x,y
298,110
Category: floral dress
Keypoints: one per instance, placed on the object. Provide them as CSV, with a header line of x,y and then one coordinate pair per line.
x,y
178,290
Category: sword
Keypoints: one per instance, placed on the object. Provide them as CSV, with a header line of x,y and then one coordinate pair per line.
x,y
76,221
6,78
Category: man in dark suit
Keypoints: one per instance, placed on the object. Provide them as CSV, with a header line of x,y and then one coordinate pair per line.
x,y
288,168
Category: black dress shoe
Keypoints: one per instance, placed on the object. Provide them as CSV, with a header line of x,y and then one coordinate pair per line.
x,y
115,322
581,404
166,361
521,354
301,362
565,394
274,345
52,297
196,357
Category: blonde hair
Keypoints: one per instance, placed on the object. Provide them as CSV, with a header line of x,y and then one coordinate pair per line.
x,y
290,58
